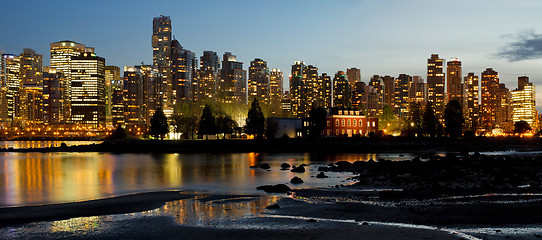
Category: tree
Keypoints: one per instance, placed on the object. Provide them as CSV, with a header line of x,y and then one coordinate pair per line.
x,y
185,124
225,124
255,123
207,123
522,127
415,121
430,122
453,119
317,119
118,133
159,126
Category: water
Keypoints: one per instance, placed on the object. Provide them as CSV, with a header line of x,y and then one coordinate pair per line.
x,y
38,178
41,144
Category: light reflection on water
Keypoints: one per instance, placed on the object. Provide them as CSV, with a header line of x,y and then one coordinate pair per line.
x,y
42,144
37,178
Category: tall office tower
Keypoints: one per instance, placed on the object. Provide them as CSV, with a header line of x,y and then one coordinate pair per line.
x,y
418,91
435,84
296,86
161,53
88,90
112,81
342,93
524,103
61,53
152,93
11,83
472,106
182,72
117,103
378,88
259,81
135,107
402,89
325,89
454,81
286,102
208,76
503,113
354,76
389,91
232,86
490,84
275,87
53,88
31,91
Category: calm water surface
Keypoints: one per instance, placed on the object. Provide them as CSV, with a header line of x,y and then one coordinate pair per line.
x,y
37,178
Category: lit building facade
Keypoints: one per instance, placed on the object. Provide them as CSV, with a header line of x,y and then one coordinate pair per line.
x,y
61,56
435,83
349,123
275,87
342,92
208,76
418,91
232,85
389,90
88,94
259,81
161,54
489,102
183,71
296,86
353,75
378,86
53,87
524,103
454,82
325,88
10,81
402,91
112,81
472,114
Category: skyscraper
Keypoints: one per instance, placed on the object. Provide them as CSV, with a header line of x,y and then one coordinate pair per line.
x,y
61,53
353,75
135,105
161,54
418,91
11,83
208,76
402,89
389,91
88,90
183,65
296,86
232,85
454,81
435,83
113,84
275,87
472,103
342,92
524,103
325,90
378,88
490,84
53,96
258,81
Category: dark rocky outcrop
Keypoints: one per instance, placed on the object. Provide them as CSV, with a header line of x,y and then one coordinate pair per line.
x,y
279,188
296,180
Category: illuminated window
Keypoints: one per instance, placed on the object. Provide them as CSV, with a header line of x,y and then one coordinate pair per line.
x,y
342,122
349,122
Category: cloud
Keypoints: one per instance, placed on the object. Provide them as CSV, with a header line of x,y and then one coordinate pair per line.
x,y
525,45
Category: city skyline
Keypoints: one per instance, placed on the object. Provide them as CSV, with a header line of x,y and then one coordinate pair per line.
x,y
386,47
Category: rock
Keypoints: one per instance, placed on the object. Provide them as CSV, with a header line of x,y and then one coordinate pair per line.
x,y
312,220
285,166
253,166
274,206
265,166
296,180
364,223
279,188
299,169
343,164
321,175
303,165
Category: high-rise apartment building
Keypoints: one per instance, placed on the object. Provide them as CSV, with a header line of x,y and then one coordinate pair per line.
x,y
232,85
342,92
309,92
503,113
454,81
208,76
472,113
389,90
524,103
402,90
275,87
135,104
353,75
61,55
161,54
379,87
88,93
489,86
183,71
53,87
325,89
258,81
296,86
418,91
435,83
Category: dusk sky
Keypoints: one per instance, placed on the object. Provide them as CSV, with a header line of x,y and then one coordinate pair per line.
x,y
379,37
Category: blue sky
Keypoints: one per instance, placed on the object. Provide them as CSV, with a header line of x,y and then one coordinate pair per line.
x,y
379,37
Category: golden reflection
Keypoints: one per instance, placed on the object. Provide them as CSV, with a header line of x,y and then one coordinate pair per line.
x,y
197,212
79,224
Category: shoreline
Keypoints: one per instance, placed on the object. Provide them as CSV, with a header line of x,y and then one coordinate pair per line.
x,y
302,145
